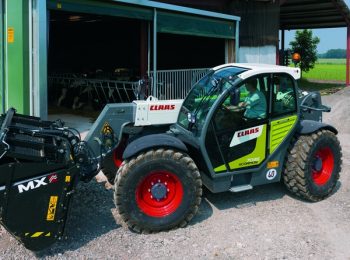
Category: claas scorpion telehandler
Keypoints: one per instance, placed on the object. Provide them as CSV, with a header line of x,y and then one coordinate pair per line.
x,y
159,153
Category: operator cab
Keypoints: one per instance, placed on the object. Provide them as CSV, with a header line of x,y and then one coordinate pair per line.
x,y
240,114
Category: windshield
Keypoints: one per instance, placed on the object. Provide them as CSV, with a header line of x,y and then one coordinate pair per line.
x,y
203,95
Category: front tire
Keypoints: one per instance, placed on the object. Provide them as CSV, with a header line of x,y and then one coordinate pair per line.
x,y
313,165
158,190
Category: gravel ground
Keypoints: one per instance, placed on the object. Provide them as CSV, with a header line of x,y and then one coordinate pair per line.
x,y
265,223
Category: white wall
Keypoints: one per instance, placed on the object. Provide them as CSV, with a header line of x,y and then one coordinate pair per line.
x,y
262,54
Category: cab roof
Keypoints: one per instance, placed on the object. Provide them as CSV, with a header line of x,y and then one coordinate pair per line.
x,y
255,69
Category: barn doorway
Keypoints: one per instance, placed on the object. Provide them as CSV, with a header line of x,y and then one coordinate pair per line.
x,y
121,42
92,60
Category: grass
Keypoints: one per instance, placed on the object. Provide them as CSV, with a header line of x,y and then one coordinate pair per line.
x,y
328,70
328,76
331,61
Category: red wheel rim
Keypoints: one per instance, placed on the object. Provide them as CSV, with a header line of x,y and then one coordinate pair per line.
x,y
323,166
159,194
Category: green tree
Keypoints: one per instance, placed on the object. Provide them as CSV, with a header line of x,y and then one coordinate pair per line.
x,y
306,45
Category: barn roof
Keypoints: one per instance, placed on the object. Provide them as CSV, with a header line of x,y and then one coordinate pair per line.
x,y
312,14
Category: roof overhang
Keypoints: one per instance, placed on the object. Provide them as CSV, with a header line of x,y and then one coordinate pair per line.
x,y
178,8
313,14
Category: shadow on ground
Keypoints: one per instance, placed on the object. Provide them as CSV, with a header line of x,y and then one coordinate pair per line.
x,y
90,217
205,211
228,200
276,191
92,208
334,191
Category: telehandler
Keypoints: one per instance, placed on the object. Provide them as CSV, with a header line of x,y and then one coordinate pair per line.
x,y
158,154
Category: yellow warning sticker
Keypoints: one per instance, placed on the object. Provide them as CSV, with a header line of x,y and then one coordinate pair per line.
x,y
38,234
51,212
10,35
107,129
68,178
273,164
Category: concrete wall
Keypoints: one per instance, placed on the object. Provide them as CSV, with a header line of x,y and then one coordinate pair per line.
x,y
263,54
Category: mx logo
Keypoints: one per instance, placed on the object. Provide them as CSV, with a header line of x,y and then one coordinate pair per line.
x,y
34,184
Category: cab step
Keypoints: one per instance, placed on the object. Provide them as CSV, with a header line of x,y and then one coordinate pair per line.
x,y
241,188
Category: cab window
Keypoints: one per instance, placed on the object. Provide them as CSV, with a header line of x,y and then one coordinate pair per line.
x,y
243,105
284,96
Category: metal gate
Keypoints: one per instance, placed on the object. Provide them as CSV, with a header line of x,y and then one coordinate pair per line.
x,y
175,84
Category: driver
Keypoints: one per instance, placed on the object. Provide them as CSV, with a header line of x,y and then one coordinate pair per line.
x,y
255,103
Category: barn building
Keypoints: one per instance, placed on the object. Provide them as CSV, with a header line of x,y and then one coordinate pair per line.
x,y
102,48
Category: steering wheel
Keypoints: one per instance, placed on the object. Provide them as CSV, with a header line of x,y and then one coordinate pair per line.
x,y
288,99
231,109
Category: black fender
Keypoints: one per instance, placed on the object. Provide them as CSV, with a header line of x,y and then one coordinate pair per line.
x,y
152,141
310,126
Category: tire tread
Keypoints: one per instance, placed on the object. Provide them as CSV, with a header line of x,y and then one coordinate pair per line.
x,y
296,163
122,176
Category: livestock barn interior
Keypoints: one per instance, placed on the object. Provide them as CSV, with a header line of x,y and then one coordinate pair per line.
x,y
98,59
88,55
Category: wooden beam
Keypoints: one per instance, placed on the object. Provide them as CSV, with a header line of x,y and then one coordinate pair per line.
x,y
325,19
282,2
303,7
297,26
346,17
309,13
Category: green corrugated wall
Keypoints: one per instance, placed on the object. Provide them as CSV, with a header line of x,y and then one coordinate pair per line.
x,y
16,55
2,42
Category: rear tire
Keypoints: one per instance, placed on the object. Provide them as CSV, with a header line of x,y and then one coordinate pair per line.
x,y
157,190
313,165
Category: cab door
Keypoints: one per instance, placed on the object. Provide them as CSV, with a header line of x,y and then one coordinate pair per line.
x,y
283,110
233,141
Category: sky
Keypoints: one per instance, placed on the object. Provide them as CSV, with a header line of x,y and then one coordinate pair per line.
x,y
330,38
